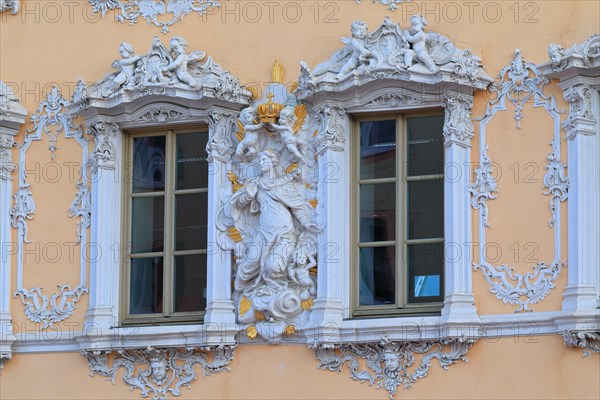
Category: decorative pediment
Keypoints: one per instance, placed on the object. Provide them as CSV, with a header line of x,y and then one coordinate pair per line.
x,y
12,113
413,55
162,72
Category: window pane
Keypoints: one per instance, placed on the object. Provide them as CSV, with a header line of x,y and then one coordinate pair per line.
x,y
426,209
190,221
147,219
377,149
377,212
146,285
425,272
377,275
190,283
192,167
425,145
148,164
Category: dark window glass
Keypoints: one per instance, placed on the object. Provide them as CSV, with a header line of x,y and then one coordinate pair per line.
x,y
426,209
377,149
146,285
377,275
149,164
425,272
192,167
377,212
148,221
425,146
190,221
190,283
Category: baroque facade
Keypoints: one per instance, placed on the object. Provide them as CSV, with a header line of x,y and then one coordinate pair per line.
x,y
384,189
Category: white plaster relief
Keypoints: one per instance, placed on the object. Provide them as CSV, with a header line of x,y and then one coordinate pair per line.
x,y
161,71
581,119
458,127
588,341
266,218
390,52
393,99
154,12
51,118
390,363
519,81
579,55
104,155
10,5
159,372
60,306
392,5
330,132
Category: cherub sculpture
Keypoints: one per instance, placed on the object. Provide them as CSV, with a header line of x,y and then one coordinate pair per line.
x,y
287,118
359,52
126,65
301,274
180,62
418,38
248,145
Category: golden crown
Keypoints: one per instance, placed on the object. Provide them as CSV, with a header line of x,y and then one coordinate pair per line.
x,y
269,111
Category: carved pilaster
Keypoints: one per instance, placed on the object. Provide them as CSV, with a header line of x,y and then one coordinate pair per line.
x,y
220,149
458,128
581,119
458,131
330,133
220,145
104,154
7,167
159,372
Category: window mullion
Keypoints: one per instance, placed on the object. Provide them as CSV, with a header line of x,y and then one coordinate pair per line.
x,y
400,213
169,238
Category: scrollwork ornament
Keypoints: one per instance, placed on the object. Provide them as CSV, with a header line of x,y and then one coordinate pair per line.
x,y
104,155
330,128
466,69
556,182
161,115
586,340
392,5
519,81
151,10
60,306
23,209
392,99
483,187
458,127
52,118
390,364
159,372
228,88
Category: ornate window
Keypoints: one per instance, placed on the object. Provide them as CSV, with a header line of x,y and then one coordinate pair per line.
x,y
167,207
398,236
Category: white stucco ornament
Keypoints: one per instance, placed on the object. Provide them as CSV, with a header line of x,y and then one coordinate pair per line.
x,y
165,71
268,217
391,52
161,13
10,5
